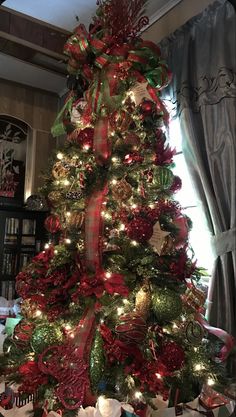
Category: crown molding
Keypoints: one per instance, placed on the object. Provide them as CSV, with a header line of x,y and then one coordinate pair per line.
x,y
170,4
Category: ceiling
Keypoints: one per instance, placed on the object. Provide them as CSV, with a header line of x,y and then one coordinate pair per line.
x,y
62,14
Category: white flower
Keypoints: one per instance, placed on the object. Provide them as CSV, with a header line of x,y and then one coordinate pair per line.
x,y
105,407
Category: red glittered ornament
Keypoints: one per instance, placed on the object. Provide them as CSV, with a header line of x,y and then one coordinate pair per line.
x,y
52,223
140,230
147,107
85,138
23,333
172,356
132,328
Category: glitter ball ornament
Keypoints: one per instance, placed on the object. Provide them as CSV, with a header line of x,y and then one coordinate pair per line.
x,y
45,335
52,223
85,138
147,107
54,197
59,171
140,230
30,309
131,139
23,333
166,304
122,190
172,356
132,328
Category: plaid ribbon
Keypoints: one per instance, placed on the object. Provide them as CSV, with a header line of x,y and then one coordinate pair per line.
x,y
93,230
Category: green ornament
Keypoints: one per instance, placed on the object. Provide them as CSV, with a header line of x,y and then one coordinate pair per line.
x,y
97,361
163,178
166,304
45,335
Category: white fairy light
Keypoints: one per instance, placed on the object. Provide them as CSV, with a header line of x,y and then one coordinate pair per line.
x,y
67,241
108,275
134,243
120,310
60,155
210,382
138,395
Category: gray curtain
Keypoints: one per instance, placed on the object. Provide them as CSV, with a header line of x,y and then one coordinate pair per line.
x,y
201,55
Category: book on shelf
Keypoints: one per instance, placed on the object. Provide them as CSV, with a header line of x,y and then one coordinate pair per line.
x,y
8,289
11,226
28,240
28,226
9,264
25,259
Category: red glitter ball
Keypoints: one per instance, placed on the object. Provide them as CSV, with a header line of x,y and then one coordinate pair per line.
x,y
172,355
140,229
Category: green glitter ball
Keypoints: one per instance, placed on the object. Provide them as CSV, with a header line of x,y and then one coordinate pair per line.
x,y
166,304
163,178
45,335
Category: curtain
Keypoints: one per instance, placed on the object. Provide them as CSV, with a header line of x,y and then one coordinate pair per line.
x,y
201,56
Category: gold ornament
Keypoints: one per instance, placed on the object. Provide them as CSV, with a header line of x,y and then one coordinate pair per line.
x,y
122,190
143,301
30,309
158,238
54,196
76,219
59,171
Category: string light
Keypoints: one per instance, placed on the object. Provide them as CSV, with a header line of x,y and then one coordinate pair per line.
x,y
114,159
68,213
138,395
67,241
66,182
134,243
38,313
199,367
120,310
122,227
158,376
134,206
60,155
114,181
210,382
125,301
46,246
56,251
108,275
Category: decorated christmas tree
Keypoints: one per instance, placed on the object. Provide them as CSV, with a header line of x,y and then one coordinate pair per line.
x,y
112,306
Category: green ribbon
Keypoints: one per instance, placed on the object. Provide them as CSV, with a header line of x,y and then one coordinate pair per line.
x,y
58,127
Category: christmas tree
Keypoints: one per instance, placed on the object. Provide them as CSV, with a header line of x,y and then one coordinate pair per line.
x,y
112,306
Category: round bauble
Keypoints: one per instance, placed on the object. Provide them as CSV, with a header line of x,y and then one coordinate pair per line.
x,y
131,139
45,335
120,120
85,138
140,230
31,309
166,304
172,356
132,328
23,333
59,170
122,190
147,107
54,197
163,178
52,223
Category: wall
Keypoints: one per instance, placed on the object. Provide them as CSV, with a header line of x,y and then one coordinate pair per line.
x,y
38,109
174,19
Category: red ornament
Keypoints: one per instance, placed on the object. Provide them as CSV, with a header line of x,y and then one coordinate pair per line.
x,y
120,120
176,185
132,139
172,356
85,138
52,223
140,229
23,333
147,107
132,328
182,234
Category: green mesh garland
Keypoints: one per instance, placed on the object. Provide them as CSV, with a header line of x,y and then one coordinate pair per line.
x,y
166,304
97,361
45,335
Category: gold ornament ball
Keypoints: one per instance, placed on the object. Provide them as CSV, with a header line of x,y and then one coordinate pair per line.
x,y
59,171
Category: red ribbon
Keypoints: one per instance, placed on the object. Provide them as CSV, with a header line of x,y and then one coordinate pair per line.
x,y
228,340
100,141
93,230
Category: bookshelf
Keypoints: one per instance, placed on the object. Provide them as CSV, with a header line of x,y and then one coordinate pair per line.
x,y
22,236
